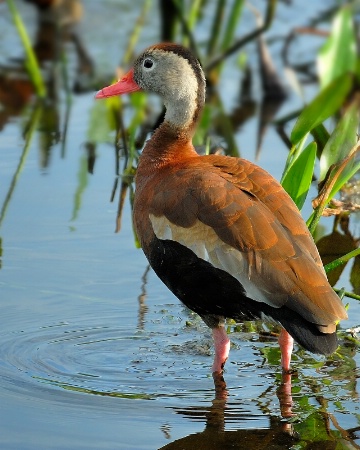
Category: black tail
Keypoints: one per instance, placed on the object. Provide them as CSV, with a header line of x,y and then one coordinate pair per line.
x,y
304,332
308,335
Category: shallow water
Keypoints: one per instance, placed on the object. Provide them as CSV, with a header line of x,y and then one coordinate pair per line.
x,y
95,353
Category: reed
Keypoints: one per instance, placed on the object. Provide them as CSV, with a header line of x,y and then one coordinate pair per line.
x,y
31,62
29,134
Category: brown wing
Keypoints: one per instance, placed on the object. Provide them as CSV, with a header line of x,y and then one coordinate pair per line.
x,y
250,212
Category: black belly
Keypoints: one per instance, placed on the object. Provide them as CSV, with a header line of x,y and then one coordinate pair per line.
x,y
199,285
212,292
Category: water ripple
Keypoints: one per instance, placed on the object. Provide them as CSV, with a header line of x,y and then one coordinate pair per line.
x,y
88,358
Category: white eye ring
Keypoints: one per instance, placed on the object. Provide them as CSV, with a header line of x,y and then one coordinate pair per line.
x,y
148,64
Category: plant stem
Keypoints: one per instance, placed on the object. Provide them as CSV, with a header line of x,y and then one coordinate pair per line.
x,y
32,65
327,191
216,25
68,102
342,260
232,23
34,120
347,294
134,36
186,29
270,13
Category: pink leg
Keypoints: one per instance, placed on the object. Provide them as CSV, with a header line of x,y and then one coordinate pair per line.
x,y
222,347
286,343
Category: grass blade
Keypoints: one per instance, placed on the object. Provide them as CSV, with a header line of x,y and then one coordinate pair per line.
x,y
32,65
341,141
322,107
338,54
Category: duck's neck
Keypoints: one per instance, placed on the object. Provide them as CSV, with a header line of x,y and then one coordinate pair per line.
x,y
172,140
183,96
168,144
184,102
182,112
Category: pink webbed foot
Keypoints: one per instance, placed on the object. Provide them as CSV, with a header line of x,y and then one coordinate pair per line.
x,y
222,348
286,343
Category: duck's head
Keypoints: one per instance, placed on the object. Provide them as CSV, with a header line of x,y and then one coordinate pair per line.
x,y
171,71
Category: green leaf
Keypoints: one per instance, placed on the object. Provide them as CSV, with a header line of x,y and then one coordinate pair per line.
x,y
313,427
321,136
322,107
298,177
293,155
338,54
341,141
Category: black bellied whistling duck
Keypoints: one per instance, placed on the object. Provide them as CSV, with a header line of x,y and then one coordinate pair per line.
x,y
220,232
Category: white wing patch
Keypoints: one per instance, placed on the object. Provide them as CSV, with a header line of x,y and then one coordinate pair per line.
x,y
206,244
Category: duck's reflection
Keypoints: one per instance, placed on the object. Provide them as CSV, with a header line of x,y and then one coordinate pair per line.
x,y
143,308
278,435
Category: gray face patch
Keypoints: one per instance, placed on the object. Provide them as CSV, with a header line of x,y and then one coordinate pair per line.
x,y
172,77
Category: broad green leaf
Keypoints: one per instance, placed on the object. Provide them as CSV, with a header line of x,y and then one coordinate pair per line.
x,y
338,55
293,155
313,427
322,107
341,141
298,178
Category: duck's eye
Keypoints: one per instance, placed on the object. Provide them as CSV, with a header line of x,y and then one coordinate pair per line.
x,y
148,63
